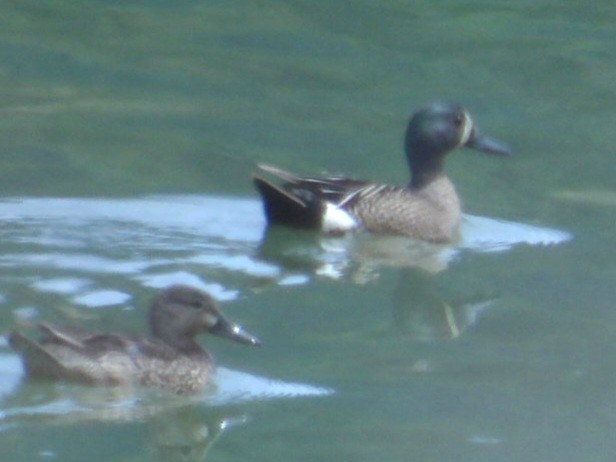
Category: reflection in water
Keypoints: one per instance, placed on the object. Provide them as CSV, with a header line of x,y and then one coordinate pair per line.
x,y
188,433
59,251
419,310
422,313
306,252
206,240
179,427
176,430
356,257
359,257
154,241
68,403
492,235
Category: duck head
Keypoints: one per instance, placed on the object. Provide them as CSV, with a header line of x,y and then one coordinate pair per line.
x,y
179,313
437,129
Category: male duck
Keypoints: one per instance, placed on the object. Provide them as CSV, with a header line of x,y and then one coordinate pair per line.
x,y
427,208
171,359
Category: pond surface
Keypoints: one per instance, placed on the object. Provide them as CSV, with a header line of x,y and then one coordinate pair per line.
x,y
130,130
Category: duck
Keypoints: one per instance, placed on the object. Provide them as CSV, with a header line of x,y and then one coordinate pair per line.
x,y
171,359
427,208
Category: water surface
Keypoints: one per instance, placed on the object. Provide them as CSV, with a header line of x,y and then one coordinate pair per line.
x,y
129,131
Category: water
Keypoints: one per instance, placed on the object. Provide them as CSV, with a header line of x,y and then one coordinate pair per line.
x,y
130,130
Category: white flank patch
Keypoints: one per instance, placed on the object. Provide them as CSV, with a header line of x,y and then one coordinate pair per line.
x,y
468,127
337,220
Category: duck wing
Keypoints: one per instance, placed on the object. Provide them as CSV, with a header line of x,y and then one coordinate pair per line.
x,y
95,345
327,203
38,361
331,188
137,349
61,336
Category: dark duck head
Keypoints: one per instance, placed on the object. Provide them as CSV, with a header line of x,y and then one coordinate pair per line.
x,y
434,131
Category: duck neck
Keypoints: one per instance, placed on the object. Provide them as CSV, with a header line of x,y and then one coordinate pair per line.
x,y
425,169
183,343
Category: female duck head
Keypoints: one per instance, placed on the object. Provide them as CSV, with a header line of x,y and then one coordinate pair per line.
x,y
180,313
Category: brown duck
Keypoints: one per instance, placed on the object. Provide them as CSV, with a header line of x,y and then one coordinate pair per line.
x,y
171,359
428,208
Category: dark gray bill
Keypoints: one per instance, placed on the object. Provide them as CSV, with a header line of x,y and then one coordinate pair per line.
x,y
226,329
487,144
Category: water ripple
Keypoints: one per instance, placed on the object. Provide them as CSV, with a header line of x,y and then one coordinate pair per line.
x,y
218,244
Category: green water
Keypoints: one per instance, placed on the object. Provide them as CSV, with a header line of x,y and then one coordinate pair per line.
x,y
502,356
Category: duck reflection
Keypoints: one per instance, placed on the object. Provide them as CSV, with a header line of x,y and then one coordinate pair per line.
x,y
187,434
357,258
420,310
360,257
178,428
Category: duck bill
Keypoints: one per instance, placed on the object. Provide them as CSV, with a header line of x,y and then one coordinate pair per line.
x,y
226,329
487,144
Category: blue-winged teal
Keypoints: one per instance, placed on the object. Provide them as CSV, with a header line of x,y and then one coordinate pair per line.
x,y
171,359
427,208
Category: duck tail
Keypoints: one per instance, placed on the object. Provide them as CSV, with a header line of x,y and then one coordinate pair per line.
x,y
284,175
285,208
37,361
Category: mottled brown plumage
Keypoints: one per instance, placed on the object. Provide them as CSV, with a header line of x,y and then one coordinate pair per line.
x,y
432,213
171,359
